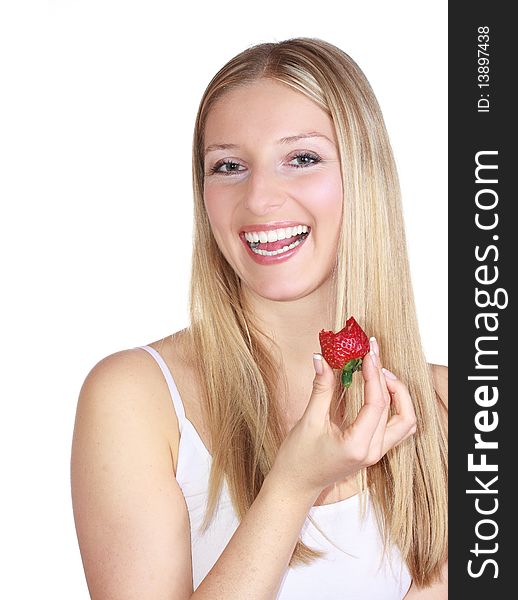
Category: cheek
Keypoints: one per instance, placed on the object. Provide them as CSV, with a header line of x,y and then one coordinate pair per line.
x,y
210,202
323,197
217,209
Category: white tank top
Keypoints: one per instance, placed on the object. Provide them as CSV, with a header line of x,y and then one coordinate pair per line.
x,y
350,572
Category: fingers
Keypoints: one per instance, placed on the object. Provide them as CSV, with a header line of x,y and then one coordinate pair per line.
x,y
381,388
323,388
374,406
376,349
376,444
371,372
403,423
372,430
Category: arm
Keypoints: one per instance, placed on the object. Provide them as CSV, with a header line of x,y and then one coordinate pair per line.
x,y
315,454
130,514
131,519
254,562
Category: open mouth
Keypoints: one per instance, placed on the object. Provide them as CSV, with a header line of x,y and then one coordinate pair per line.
x,y
275,247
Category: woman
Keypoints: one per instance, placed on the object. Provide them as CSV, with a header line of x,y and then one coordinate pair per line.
x,y
285,486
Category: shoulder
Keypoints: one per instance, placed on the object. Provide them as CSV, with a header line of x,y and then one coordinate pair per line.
x,y
119,366
126,373
128,508
128,389
120,389
134,371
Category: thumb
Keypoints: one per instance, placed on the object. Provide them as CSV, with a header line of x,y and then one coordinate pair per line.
x,y
323,387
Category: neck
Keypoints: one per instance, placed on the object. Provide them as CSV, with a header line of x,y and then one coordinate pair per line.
x,y
294,325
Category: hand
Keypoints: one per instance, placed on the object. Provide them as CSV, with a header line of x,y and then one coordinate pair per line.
x,y
317,453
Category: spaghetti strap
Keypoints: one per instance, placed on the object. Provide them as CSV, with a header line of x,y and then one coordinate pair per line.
x,y
173,390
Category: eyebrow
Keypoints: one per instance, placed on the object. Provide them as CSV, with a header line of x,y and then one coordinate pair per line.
x,y
284,140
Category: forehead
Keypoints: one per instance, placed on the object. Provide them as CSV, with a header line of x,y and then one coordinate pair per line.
x,y
264,108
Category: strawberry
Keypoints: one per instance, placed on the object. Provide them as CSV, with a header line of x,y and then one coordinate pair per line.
x,y
345,350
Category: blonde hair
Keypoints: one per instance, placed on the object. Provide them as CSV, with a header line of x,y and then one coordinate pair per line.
x,y
238,366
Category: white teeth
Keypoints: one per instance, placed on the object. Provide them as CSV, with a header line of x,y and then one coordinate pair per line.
x,y
281,251
275,234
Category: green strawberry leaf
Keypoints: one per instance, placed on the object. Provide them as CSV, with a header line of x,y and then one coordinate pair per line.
x,y
347,378
348,369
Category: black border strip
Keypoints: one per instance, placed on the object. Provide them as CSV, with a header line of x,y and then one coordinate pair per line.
x,y
481,124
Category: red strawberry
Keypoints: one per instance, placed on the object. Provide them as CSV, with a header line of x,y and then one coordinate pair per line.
x,y
345,349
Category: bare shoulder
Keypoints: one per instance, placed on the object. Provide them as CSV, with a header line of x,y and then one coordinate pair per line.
x,y
126,382
181,359
130,514
125,367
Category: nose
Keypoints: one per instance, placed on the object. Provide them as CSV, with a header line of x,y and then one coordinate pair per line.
x,y
264,193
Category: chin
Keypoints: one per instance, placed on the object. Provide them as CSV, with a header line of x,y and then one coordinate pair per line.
x,y
281,292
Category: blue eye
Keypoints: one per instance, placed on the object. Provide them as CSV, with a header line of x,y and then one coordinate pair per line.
x,y
307,159
230,167
225,163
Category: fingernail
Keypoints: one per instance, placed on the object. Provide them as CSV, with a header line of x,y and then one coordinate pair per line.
x,y
388,373
317,363
373,357
374,345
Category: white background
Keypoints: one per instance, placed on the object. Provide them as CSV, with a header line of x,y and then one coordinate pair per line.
x,y
95,164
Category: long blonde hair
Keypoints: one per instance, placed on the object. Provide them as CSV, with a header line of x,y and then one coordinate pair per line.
x,y
238,367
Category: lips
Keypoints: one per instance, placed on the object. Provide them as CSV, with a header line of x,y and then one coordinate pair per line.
x,y
275,259
278,245
255,239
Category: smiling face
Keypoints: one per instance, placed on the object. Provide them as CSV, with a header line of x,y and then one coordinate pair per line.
x,y
272,164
